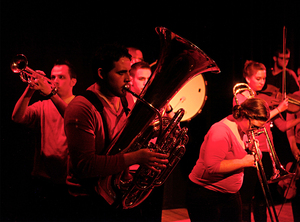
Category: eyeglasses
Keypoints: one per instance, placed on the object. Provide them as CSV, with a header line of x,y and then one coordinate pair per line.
x,y
252,126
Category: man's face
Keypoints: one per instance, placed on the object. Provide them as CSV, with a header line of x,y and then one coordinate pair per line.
x,y
279,59
62,80
118,77
140,79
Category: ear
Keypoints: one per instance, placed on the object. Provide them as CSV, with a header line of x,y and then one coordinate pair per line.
x,y
73,81
100,73
274,58
247,80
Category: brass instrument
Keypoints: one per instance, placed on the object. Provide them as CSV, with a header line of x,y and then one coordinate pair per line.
x,y
279,172
19,64
179,61
263,179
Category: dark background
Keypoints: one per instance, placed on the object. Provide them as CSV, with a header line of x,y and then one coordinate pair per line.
x,y
229,33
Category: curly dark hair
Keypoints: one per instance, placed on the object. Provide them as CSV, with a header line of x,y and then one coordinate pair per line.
x,y
253,108
106,56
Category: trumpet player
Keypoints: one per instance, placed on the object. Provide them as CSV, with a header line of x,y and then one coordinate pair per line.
x,y
215,180
91,125
51,155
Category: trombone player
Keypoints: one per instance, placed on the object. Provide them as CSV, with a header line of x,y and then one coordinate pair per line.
x,y
251,191
215,180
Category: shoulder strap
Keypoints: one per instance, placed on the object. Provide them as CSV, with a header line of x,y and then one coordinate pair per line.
x,y
92,97
125,105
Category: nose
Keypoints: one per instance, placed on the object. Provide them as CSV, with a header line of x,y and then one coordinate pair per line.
x,y
127,77
55,80
145,81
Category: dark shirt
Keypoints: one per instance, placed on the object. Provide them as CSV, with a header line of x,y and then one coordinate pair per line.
x,y
281,143
291,85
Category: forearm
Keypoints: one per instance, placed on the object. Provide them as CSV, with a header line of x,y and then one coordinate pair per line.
x,y
59,104
227,166
283,125
87,163
21,105
274,112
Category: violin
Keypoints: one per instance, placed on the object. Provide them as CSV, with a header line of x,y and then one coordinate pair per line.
x,y
287,187
273,97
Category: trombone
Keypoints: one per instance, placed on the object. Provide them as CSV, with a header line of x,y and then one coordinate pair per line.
x,y
279,172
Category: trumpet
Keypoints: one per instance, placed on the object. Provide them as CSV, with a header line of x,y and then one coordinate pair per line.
x,y
19,64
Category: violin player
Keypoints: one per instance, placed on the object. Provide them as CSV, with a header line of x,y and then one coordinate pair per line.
x,y
290,186
274,78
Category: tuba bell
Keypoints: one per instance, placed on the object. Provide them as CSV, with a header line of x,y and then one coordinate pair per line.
x,y
180,60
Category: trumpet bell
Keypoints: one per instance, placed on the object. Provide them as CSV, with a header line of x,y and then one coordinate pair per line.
x,y
19,63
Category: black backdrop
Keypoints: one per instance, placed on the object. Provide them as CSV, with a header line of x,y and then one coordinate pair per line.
x,y
229,33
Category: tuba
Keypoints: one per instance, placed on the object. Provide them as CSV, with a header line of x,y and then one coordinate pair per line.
x,y
180,60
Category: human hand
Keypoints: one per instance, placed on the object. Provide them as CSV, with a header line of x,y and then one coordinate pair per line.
x,y
249,160
283,105
296,153
41,83
152,160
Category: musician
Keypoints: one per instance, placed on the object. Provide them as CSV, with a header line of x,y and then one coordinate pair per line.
x,y
251,192
218,174
136,55
51,154
90,130
293,135
140,72
274,77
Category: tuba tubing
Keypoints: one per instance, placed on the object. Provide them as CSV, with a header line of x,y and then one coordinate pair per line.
x,y
179,61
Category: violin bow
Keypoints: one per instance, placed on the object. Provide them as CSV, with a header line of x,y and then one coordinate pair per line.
x,y
284,66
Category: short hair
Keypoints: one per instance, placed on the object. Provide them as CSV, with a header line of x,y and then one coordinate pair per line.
x,y
139,65
253,108
105,57
279,50
70,66
251,67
